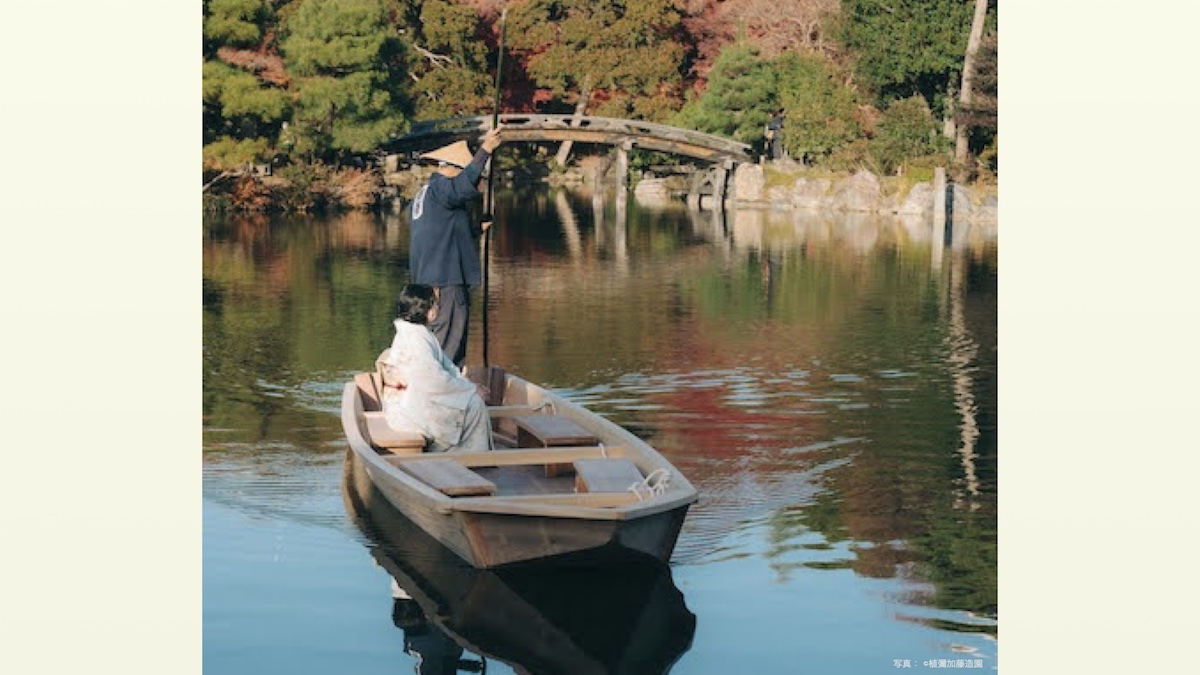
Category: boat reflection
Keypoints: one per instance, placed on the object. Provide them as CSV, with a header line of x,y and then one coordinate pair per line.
x,y
591,615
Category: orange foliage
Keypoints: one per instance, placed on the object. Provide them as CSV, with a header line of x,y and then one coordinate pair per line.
x,y
357,189
776,26
249,194
266,65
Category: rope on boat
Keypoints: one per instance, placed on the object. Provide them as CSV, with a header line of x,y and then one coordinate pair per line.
x,y
652,485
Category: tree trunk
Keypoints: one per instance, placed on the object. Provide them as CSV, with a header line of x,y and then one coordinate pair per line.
x,y
564,150
968,74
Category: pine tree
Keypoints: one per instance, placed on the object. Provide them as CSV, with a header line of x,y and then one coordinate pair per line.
x,y
348,68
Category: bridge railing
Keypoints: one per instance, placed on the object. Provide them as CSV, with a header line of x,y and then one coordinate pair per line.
x,y
586,129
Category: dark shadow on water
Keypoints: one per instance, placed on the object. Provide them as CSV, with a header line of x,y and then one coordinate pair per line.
x,y
596,614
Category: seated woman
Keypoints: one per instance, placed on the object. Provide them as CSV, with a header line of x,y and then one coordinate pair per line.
x,y
423,391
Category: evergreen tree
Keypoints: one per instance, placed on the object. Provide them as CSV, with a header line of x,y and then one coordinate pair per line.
x,y
907,47
236,23
243,110
625,54
348,67
739,99
821,110
906,132
449,62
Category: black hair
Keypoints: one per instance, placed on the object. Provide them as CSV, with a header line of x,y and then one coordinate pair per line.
x,y
414,303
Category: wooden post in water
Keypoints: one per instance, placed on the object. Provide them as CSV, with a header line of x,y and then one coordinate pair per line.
x,y
720,177
938,235
623,172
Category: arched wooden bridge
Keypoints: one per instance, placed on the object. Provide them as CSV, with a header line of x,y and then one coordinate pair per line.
x,y
720,155
621,133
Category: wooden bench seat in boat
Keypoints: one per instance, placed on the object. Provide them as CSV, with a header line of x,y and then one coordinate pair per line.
x,y
605,475
548,431
449,477
379,433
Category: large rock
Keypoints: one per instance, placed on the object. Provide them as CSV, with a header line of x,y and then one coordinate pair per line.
x,y
919,201
779,196
987,212
960,203
748,182
810,193
860,192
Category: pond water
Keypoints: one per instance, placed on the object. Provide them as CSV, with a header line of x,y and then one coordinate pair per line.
x,y
827,383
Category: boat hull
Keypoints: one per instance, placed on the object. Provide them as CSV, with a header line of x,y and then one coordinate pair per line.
x,y
489,540
507,529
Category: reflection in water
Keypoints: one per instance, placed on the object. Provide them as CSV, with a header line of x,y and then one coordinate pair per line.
x,y
963,351
828,388
434,652
589,617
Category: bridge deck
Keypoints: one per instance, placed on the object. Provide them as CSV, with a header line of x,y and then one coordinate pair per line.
x,y
586,129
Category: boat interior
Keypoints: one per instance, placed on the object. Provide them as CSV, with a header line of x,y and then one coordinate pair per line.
x,y
540,455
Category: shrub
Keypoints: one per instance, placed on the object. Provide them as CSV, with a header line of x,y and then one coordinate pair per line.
x,y
249,194
356,189
852,157
905,133
303,187
821,110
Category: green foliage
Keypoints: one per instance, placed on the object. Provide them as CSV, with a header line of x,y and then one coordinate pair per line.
x,y
239,94
348,77
626,49
237,23
852,157
821,110
358,70
336,37
241,118
907,47
450,63
738,100
230,153
906,131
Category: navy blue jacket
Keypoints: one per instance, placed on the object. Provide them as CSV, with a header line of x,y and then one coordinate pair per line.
x,y
441,249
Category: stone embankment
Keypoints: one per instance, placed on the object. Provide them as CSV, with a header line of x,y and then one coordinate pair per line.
x,y
779,185
792,187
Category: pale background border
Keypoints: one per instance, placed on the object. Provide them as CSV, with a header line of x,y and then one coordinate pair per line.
x,y
101,281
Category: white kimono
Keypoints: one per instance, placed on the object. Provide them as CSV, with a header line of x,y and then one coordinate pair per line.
x,y
437,401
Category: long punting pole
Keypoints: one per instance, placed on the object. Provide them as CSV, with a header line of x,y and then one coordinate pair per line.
x,y
491,198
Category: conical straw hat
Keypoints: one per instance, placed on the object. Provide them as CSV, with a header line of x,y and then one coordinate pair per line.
x,y
457,154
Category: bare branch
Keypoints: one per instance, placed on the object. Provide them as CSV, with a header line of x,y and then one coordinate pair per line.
x,y
436,59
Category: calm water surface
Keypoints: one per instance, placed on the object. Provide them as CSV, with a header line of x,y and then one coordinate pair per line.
x,y
828,384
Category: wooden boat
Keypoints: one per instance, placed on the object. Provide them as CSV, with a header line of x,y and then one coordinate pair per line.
x,y
593,616
563,480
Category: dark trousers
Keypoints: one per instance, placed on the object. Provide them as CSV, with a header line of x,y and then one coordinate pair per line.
x,y
454,315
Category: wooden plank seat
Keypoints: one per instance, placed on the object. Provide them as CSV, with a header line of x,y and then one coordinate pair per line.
x,y
518,457
549,431
605,475
379,433
449,477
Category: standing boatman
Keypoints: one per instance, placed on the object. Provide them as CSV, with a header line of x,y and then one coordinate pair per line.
x,y
442,250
